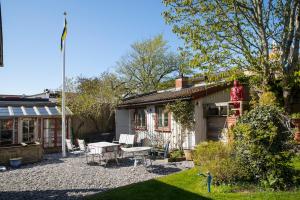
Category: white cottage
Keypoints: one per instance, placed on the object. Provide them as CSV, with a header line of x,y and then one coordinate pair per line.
x,y
146,117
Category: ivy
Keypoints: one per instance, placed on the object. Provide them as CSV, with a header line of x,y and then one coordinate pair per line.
x,y
183,113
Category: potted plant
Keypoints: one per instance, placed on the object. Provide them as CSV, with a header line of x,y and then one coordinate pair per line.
x,y
15,162
296,121
176,156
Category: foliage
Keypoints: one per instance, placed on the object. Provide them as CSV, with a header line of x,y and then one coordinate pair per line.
x,y
268,98
295,116
183,113
263,146
217,158
95,98
176,154
260,38
147,65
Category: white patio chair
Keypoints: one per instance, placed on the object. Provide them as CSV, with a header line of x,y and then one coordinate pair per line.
x,y
71,148
126,139
91,152
82,146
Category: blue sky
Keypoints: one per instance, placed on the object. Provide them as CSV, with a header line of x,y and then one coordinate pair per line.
x,y
99,33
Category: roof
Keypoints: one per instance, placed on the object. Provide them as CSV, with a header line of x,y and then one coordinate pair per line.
x,y
20,106
169,96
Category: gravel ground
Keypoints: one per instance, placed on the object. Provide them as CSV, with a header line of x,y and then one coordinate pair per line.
x,y
71,178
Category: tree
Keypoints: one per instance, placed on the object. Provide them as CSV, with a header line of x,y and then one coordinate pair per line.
x,y
147,64
95,98
223,34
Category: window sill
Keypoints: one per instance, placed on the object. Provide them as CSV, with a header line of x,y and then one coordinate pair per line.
x,y
140,129
163,130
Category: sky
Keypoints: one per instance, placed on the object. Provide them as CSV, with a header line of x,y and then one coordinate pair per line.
x,y
100,32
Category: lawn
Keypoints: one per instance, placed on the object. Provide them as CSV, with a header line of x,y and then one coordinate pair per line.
x,y
188,185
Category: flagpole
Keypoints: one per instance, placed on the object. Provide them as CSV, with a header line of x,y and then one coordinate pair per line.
x,y
63,119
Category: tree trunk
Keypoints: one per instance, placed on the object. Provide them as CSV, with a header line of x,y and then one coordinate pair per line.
x,y
287,99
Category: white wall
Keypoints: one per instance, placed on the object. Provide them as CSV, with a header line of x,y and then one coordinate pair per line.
x,y
161,138
122,122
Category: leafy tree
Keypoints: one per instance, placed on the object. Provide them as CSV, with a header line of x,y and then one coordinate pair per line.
x,y
95,98
261,37
148,64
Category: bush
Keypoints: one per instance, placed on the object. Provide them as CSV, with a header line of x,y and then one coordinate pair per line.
x,y
218,158
176,154
263,147
267,98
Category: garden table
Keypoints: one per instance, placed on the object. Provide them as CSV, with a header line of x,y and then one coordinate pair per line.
x,y
105,147
137,152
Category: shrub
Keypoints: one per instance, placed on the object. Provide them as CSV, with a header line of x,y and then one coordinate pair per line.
x,y
218,158
174,155
295,116
267,98
263,146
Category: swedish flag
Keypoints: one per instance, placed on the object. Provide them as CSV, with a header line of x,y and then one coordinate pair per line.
x,y
63,36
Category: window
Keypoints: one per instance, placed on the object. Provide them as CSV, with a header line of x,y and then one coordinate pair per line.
x,y
215,109
54,111
28,128
140,119
6,131
30,111
4,112
43,111
163,119
52,132
17,111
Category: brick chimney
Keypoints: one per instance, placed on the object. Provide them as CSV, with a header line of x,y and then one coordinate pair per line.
x,y
181,82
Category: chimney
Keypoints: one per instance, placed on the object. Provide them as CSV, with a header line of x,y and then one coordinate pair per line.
x,y
181,82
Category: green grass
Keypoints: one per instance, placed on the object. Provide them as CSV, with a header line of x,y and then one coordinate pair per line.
x,y
188,185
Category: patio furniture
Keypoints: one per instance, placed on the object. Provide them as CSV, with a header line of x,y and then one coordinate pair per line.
x,y
71,148
138,153
126,139
105,150
91,152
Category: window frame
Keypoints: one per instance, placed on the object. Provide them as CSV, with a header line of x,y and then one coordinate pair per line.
x,y
136,115
164,128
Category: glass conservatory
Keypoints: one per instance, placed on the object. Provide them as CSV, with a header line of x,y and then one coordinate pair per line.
x,y
34,123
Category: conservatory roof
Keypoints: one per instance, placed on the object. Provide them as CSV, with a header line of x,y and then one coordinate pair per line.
x,y
31,111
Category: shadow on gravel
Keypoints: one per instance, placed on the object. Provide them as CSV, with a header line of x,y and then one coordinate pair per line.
x,y
162,169
72,194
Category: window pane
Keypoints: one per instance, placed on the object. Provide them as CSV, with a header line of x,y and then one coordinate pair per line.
x,y
143,119
28,130
4,111
30,111
223,110
54,111
17,111
160,119
6,131
43,111
166,119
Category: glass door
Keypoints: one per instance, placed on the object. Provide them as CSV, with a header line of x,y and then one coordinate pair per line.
x,y
28,130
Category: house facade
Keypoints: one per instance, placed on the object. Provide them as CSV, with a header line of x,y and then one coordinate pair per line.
x,y
146,115
28,119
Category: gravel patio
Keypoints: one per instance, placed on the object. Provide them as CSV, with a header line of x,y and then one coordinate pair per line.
x,y
71,178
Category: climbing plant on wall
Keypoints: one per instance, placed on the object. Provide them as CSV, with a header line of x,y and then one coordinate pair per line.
x,y
183,113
